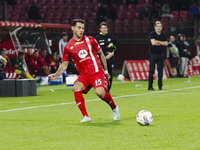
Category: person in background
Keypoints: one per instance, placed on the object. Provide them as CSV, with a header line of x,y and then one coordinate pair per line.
x,y
184,53
173,56
110,47
20,68
157,41
62,44
3,62
53,58
36,66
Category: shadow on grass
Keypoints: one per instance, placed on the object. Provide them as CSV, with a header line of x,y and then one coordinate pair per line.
x,y
104,123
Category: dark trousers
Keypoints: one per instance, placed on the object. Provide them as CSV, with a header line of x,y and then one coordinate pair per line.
x,y
110,70
159,60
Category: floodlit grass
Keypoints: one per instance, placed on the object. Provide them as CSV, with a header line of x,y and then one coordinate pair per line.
x,y
176,123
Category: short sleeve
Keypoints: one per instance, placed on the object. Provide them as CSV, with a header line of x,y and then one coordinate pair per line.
x,y
95,45
152,36
170,45
65,54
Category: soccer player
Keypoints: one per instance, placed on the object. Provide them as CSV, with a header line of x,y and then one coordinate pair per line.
x,y
83,51
110,47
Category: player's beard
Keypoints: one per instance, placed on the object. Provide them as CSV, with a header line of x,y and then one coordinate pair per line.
x,y
78,35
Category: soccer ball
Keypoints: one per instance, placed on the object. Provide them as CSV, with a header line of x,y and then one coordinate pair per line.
x,y
144,118
120,77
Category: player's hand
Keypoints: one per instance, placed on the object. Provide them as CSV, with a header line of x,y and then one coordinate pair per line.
x,y
110,45
52,76
108,78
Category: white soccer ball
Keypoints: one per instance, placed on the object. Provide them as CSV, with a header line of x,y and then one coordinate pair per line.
x,y
120,77
144,118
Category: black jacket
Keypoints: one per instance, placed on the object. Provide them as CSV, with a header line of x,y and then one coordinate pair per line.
x,y
104,41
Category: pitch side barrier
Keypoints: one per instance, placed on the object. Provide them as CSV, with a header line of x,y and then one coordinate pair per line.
x,y
139,69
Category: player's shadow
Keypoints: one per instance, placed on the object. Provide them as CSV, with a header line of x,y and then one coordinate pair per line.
x,y
104,124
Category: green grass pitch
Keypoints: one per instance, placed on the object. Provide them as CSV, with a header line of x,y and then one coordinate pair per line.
x,y
51,120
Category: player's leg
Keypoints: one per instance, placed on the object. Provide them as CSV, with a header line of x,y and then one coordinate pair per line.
x,y
160,64
105,96
151,70
110,70
79,87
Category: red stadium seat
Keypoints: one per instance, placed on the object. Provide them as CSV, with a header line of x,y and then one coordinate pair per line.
x,y
43,8
184,14
91,27
118,26
122,7
137,15
60,2
60,8
93,15
139,7
77,2
131,7
110,25
43,2
58,15
9,8
56,20
87,2
69,2
95,8
87,8
25,2
66,21
130,15
85,15
51,2
23,15
49,16
18,2
48,21
67,15
76,15
52,8
17,8
175,14
120,15
69,8
127,25
141,1
15,16
78,7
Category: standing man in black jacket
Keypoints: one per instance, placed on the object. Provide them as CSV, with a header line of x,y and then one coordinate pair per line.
x,y
109,45
157,41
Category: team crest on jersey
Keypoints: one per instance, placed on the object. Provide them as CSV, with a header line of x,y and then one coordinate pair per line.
x,y
82,53
77,43
109,39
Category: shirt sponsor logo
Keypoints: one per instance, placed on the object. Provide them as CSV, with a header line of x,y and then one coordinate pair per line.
x,y
82,53
77,43
101,43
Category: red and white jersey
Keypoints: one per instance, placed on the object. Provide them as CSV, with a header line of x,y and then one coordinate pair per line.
x,y
84,55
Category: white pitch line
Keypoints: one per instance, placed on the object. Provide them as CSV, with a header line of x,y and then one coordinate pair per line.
x,y
123,96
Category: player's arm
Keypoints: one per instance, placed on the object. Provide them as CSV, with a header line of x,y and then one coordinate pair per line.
x,y
158,43
172,51
62,68
104,64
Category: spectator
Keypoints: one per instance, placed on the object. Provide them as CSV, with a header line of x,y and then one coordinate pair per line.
x,y
146,11
166,11
36,66
54,59
33,12
3,62
173,56
183,52
62,44
20,68
194,10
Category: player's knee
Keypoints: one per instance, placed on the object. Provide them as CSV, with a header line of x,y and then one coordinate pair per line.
x,y
100,92
78,86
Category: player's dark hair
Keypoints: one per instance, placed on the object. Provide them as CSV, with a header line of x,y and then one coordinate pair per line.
x,y
21,53
63,34
75,21
1,50
103,24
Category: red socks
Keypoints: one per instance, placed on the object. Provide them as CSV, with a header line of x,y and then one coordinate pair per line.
x,y
80,102
108,99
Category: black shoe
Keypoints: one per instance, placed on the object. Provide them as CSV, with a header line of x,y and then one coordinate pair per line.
x,y
150,88
160,89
